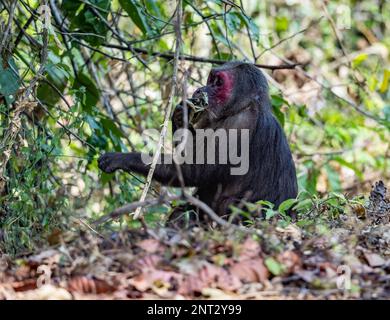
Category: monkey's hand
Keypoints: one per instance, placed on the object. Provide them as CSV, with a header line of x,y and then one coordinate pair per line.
x,y
110,162
178,119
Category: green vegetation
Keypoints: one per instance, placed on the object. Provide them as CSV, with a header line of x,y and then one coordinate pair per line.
x,y
89,76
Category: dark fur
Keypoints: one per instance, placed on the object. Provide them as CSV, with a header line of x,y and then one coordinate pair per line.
x,y
271,173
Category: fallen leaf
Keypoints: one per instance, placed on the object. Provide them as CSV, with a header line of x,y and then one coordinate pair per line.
x,y
24,285
150,245
148,262
249,249
208,275
84,284
290,260
217,294
251,270
293,231
150,278
46,292
23,272
374,260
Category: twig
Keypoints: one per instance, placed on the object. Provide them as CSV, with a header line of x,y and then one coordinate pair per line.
x,y
5,38
311,24
330,89
210,212
249,34
68,131
23,32
57,19
116,33
128,208
157,154
170,55
22,105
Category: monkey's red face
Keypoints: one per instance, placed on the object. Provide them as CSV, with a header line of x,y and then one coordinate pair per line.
x,y
219,87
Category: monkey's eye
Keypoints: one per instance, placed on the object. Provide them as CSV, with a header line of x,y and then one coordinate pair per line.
x,y
218,81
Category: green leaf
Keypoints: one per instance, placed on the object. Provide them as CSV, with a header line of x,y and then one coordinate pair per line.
x,y
135,11
265,204
106,177
349,165
359,59
281,24
385,81
286,205
274,266
303,205
92,94
269,213
112,131
84,19
253,28
333,177
304,223
58,77
9,80
277,102
386,112
233,21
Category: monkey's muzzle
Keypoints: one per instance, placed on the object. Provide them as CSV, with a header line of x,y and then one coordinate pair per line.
x,y
199,101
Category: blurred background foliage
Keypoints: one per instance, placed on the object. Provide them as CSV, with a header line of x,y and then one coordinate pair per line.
x,y
89,76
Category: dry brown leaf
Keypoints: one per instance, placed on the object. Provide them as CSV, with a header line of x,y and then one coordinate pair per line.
x,y
151,278
191,285
291,231
217,294
228,281
212,274
374,259
23,272
148,262
209,276
54,237
46,292
84,284
290,260
150,245
249,249
251,270
25,285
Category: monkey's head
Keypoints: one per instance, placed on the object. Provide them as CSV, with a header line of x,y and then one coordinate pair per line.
x,y
232,86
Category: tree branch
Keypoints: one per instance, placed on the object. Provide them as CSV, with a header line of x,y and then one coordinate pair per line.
x,y
170,55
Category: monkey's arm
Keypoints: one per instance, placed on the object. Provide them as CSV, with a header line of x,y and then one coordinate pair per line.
x,y
193,175
182,119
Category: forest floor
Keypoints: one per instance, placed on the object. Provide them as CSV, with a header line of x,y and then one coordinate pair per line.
x,y
346,257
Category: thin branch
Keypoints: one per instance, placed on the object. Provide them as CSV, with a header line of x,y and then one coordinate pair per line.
x,y
311,24
330,89
5,37
128,208
222,222
170,56
168,111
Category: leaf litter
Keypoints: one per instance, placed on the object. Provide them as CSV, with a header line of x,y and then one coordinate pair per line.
x,y
348,258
